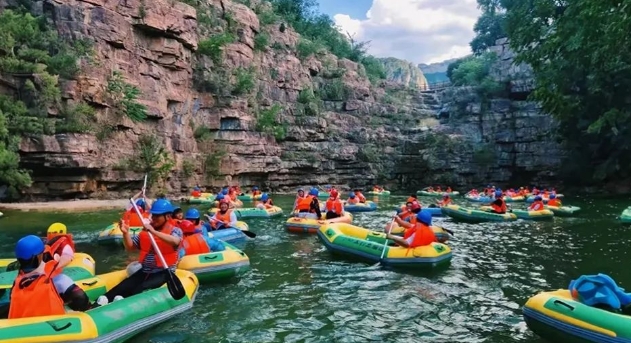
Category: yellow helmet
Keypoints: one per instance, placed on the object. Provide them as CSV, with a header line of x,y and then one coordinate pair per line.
x,y
56,229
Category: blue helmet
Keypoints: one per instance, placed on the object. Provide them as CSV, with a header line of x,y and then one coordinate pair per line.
x,y
327,187
219,197
498,194
141,203
314,191
553,196
29,246
264,197
255,188
224,191
197,188
161,207
192,213
424,217
537,198
352,195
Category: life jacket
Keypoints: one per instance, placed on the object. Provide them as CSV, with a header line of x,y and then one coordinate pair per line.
x,y
223,217
304,204
536,206
195,244
423,235
132,219
412,218
35,295
554,202
499,209
360,196
405,215
56,246
334,206
354,200
168,251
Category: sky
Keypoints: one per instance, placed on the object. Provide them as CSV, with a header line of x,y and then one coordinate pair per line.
x,y
419,31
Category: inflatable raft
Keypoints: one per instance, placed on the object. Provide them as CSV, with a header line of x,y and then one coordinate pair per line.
x,y
324,195
204,198
368,245
232,235
434,211
112,235
533,215
368,206
115,322
382,193
563,211
625,217
518,198
441,234
305,225
436,194
531,198
253,212
476,216
483,198
218,265
248,197
556,317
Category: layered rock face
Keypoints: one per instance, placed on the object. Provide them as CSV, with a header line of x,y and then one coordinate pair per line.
x,y
404,73
348,138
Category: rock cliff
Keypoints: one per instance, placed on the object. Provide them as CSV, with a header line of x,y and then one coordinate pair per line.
x,y
404,73
253,111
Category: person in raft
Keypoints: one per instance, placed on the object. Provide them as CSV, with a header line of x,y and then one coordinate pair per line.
x,y
309,206
255,191
178,215
265,202
197,192
299,195
195,242
537,205
553,201
193,216
446,200
499,205
168,239
36,289
417,234
409,214
359,195
224,218
352,199
334,207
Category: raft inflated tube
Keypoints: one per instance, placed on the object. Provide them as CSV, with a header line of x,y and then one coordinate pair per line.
x,y
249,197
563,211
557,317
436,194
382,193
484,199
517,198
368,206
625,217
82,266
217,265
232,235
358,242
114,322
475,216
533,215
306,225
112,235
253,212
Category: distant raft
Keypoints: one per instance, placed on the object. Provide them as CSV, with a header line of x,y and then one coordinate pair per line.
x,y
204,198
625,217
441,234
307,225
436,194
545,199
379,193
112,235
253,212
368,206
563,211
368,245
249,197
525,214
469,215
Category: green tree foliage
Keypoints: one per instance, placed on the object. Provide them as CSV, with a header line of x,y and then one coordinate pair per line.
x,y
475,71
489,27
319,30
579,53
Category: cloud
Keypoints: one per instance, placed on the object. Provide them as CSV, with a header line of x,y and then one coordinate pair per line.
x,y
420,31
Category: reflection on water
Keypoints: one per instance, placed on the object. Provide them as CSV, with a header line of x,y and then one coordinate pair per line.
x,y
298,292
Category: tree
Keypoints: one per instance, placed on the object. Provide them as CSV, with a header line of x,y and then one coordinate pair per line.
x,y
12,178
489,27
579,53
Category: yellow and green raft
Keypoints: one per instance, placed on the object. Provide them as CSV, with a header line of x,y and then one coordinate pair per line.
x,y
368,245
253,212
204,198
557,317
469,215
114,322
214,266
525,214
112,235
563,211
379,193
625,217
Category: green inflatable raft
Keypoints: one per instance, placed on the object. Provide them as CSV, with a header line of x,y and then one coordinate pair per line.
x,y
625,217
564,211
469,215
436,194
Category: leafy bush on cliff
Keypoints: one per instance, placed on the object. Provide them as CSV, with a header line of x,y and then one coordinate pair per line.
x,y
475,71
267,122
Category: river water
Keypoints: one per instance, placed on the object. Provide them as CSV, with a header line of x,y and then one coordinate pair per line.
x,y
298,292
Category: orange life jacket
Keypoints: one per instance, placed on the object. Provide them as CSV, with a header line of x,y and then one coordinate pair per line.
x,y
223,217
132,219
195,244
361,197
334,206
168,251
196,194
554,202
423,235
405,214
536,206
56,246
35,295
499,209
304,204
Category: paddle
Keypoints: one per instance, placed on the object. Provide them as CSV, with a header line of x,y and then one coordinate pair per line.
x,y
174,285
245,232
385,244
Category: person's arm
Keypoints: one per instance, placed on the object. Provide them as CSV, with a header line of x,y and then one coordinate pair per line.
x,y
233,219
315,205
172,238
128,242
400,241
66,256
402,223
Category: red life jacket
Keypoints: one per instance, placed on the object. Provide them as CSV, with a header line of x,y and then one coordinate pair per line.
x,y
361,197
195,244
499,209
169,252
56,246
223,217
35,295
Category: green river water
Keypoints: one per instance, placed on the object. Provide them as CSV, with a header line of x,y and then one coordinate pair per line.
x,y
298,292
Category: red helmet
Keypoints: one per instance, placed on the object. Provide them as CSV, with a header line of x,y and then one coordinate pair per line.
x,y
187,227
416,205
334,193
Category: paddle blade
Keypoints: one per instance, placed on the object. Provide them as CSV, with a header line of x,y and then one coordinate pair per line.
x,y
174,285
249,234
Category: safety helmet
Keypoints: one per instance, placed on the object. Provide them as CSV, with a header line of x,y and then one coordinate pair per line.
x,y
314,191
224,201
415,205
161,206
29,246
197,189
498,194
264,197
192,213
141,203
410,199
334,194
352,195
537,198
445,195
56,229
219,197
553,196
255,188
224,191
187,226
424,217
